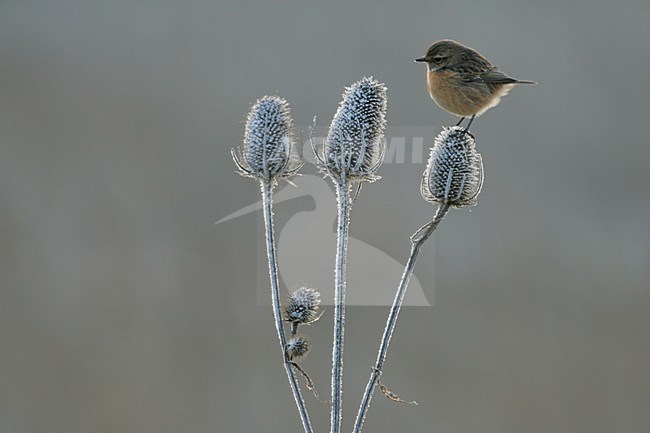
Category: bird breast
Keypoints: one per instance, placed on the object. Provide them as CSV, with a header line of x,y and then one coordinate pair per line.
x,y
463,98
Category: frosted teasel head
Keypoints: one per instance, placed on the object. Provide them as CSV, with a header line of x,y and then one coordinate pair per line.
x,y
297,347
454,173
354,146
268,152
302,306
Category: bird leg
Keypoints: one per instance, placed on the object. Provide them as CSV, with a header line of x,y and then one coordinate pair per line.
x,y
467,127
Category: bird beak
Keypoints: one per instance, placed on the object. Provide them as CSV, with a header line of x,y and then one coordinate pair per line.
x,y
420,59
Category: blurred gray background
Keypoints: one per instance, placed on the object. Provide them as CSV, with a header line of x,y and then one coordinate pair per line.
x,y
123,308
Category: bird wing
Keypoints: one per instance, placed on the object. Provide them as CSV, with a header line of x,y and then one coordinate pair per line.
x,y
494,76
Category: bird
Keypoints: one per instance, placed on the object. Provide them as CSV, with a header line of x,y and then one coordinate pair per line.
x,y
463,82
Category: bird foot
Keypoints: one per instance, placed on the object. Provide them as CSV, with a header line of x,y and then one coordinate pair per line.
x,y
466,131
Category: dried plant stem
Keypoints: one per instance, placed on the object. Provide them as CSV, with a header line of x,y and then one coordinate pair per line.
x,y
343,199
417,240
267,203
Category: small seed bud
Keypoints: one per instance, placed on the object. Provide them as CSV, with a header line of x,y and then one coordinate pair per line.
x,y
298,347
302,307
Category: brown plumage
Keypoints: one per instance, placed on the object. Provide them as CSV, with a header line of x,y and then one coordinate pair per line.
x,y
463,82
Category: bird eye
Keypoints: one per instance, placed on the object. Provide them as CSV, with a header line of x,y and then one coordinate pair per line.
x,y
438,59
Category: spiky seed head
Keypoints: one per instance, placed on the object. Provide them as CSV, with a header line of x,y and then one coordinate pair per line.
x,y
454,173
302,306
268,152
354,146
298,347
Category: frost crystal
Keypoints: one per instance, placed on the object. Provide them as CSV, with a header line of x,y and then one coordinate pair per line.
x,y
454,173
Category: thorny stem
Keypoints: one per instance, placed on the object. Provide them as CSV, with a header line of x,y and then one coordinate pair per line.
x,y
417,240
342,194
267,202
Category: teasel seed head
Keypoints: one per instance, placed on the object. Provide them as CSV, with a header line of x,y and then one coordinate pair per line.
x,y
454,173
268,152
302,306
298,347
354,147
